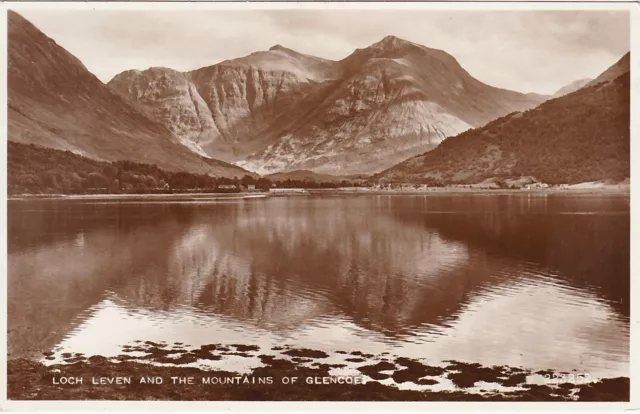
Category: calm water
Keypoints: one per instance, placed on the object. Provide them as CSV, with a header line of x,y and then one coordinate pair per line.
x,y
524,280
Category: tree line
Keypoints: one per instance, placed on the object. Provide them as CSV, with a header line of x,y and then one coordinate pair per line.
x,y
34,169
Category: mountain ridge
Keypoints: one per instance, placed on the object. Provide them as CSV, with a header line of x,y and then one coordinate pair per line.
x,y
283,112
280,110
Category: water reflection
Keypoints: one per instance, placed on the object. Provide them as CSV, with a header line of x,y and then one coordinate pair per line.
x,y
475,278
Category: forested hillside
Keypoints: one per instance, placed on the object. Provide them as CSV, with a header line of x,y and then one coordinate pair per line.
x,y
32,169
583,136
38,170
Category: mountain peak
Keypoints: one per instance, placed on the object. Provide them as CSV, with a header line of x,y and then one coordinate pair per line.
x,y
394,47
281,48
391,41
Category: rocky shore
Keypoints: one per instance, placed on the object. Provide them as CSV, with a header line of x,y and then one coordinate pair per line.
x,y
158,371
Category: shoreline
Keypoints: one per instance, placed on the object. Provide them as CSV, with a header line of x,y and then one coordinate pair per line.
x,y
604,190
135,197
321,376
127,378
489,191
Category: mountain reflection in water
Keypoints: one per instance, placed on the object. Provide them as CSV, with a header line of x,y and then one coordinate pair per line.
x,y
536,281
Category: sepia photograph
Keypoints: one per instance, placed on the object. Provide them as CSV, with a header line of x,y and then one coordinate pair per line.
x,y
318,203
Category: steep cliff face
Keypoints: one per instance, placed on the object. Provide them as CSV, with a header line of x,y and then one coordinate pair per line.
x,y
54,101
247,101
227,110
168,97
279,110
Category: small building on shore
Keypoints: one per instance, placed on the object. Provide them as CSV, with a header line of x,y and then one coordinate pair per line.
x,y
227,188
535,186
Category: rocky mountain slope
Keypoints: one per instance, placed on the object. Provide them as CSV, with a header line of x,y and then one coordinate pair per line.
x,y
582,136
54,101
167,96
226,110
279,110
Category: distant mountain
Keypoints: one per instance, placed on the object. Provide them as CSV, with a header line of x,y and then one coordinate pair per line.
x,y
54,101
572,87
583,136
280,110
621,67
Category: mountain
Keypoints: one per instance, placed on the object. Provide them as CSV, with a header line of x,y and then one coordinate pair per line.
x,y
280,110
226,110
572,87
582,136
621,67
395,99
55,102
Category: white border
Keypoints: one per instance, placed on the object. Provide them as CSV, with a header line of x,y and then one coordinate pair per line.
x,y
276,406
326,5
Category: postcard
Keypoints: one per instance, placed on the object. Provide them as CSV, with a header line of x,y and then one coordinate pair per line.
x,y
419,203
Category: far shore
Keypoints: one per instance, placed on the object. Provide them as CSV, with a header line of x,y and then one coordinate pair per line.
x,y
195,196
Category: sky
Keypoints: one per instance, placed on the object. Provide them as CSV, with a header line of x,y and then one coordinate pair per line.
x,y
526,51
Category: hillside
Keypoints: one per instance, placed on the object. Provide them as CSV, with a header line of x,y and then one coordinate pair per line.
x,y
54,101
583,136
280,110
32,169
